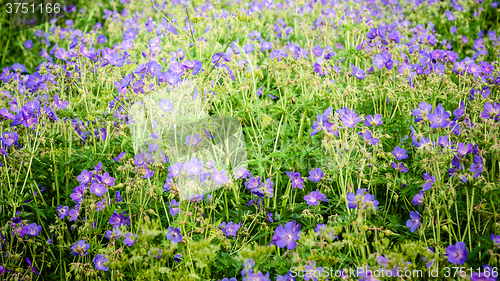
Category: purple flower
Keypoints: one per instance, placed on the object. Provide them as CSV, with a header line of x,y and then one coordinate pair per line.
x,y
247,267
216,57
174,210
474,69
101,39
418,199
120,156
318,51
248,47
463,149
350,119
414,221
449,15
117,220
491,111
204,176
98,167
429,180
394,36
316,175
174,170
318,227
63,211
241,172
100,262
130,239
439,68
9,139
118,197
219,176
496,240
60,103
31,267
438,117
270,216
361,200
399,167
287,236
372,33
5,113
193,167
379,61
375,120
106,179
80,248
196,197
422,111
62,54
357,72
254,35
28,44
17,67
77,194
477,166
101,205
33,229
129,34
174,235
230,228
113,234
399,153
155,68
297,181
166,105
457,253
314,197
74,213
168,183
84,177
178,257
98,189
367,136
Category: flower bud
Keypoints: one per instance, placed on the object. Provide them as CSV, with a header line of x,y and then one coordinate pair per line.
x,y
445,228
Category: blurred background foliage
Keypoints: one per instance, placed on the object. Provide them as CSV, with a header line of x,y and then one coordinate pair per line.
x,y
12,48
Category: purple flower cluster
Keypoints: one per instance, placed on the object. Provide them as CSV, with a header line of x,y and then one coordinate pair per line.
x,y
229,229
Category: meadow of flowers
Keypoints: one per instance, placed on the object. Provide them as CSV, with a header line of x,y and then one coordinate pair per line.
x,y
366,136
